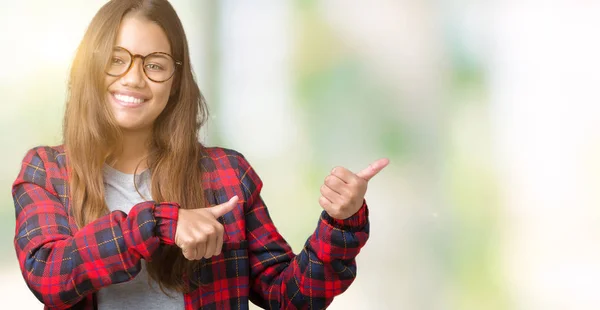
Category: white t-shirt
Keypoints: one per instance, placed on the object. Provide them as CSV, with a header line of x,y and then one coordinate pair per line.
x,y
120,194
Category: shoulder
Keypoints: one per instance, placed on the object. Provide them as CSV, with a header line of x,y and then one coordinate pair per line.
x,y
216,152
43,155
226,164
42,164
220,158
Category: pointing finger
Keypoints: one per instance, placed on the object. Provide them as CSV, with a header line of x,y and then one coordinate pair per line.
x,y
222,209
373,169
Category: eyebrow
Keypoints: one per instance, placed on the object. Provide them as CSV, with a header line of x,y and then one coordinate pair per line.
x,y
116,47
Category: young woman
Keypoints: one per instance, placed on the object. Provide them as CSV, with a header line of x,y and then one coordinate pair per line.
x,y
133,212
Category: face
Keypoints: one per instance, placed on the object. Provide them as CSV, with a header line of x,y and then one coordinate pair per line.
x,y
136,101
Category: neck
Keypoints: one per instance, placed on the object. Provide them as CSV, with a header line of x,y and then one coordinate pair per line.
x,y
134,152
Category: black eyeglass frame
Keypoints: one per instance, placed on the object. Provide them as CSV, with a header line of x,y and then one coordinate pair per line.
x,y
143,58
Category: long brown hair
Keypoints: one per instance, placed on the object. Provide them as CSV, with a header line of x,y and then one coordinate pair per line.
x,y
91,134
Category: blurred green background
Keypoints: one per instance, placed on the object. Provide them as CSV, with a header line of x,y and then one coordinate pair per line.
x,y
487,110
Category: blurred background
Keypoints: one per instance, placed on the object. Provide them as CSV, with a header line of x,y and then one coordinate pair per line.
x,y
488,110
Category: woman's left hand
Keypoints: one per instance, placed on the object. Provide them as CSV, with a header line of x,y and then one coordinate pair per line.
x,y
343,192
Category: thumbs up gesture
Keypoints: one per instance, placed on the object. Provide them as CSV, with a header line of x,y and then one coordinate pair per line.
x,y
343,192
198,233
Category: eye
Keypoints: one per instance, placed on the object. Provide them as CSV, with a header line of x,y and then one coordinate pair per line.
x,y
117,61
154,67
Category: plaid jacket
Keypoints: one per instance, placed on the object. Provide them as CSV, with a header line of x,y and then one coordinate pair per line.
x,y
64,266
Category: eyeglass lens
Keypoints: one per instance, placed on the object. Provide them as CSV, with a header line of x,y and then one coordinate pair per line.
x,y
157,66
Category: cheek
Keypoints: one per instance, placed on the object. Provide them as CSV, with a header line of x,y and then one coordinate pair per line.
x,y
161,94
108,81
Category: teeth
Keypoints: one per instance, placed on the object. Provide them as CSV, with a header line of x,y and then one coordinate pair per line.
x,y
128,99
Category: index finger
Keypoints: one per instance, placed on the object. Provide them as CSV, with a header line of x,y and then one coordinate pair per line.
x,y
373,169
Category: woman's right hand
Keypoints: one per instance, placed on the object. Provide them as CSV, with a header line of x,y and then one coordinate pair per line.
x,y
198,233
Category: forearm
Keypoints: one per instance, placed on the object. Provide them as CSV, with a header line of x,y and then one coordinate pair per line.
x,y
61,268
324,268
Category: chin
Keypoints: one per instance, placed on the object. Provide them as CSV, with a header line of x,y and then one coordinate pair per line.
x,y
130,126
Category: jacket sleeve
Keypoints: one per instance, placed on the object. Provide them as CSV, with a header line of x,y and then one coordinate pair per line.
x,y
324,268
60,266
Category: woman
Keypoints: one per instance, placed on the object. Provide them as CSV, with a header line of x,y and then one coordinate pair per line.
x,y
131,211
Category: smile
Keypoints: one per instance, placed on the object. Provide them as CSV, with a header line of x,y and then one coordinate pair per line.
x,y
128,101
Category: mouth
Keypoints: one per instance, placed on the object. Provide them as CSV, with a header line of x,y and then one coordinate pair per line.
x,y
128,101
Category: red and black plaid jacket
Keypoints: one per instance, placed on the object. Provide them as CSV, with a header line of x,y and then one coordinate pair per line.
x,y
64,266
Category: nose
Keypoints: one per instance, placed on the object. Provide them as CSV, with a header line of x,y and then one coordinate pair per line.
x,y
135,76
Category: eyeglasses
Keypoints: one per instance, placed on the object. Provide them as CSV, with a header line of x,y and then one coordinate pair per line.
x,y
158,67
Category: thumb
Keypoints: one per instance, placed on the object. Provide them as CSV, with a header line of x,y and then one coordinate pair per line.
x,y
373,169
220,210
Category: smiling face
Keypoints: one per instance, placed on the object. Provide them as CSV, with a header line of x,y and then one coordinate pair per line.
x,y
135,100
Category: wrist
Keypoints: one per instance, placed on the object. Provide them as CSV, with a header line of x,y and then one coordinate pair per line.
x,y
357,221
167,216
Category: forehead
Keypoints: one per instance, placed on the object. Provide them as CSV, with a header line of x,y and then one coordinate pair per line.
x,y
141,36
